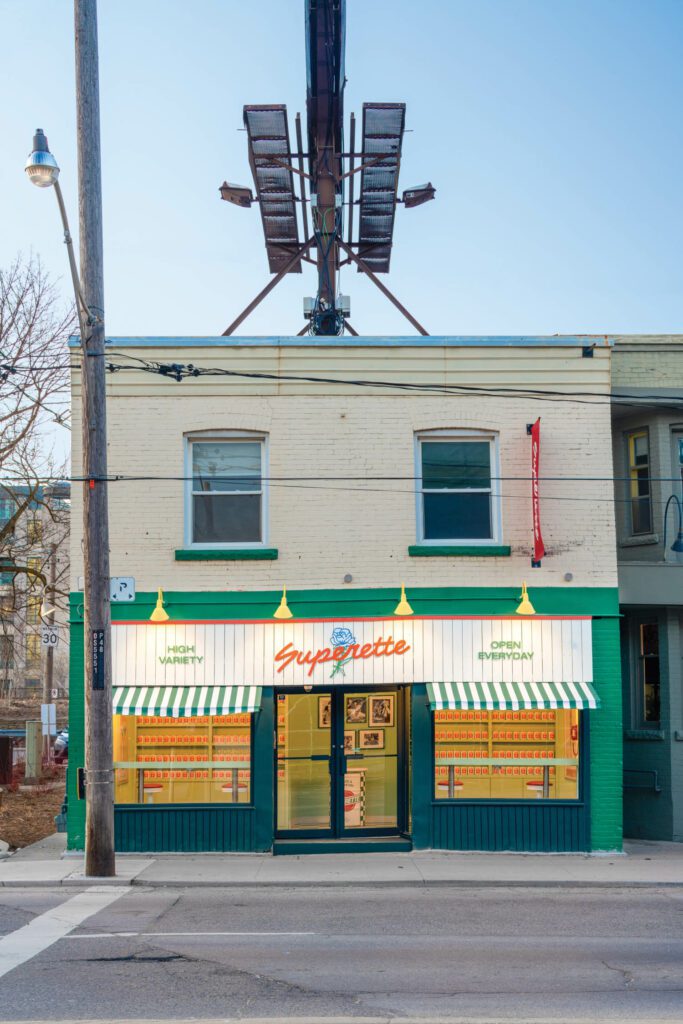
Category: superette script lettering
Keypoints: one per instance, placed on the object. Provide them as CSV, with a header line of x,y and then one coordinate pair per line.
x,y
381,648
180,654
505,650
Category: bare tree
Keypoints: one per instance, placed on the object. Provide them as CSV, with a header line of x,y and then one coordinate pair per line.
x,y
34,377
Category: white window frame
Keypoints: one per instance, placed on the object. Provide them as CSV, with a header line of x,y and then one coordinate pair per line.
x,y
200,436
496,506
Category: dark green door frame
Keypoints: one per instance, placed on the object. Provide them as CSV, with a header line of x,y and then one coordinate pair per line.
x,y
338,763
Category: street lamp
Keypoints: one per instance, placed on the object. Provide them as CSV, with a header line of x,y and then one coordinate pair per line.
x,y
41,166
43,172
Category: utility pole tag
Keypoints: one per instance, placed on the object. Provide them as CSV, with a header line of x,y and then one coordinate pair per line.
x,y
98,659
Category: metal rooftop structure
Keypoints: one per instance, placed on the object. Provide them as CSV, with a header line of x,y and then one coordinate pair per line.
x,y
326,176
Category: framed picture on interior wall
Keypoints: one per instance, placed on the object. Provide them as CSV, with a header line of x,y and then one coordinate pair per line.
x,y
382,711
356,710
349,742
325,712
371,739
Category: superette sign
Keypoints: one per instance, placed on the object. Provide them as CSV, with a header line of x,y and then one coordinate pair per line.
x,y
363,652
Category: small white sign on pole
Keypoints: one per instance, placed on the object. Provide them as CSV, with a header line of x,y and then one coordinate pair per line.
x,y
122,588
49,635
48,718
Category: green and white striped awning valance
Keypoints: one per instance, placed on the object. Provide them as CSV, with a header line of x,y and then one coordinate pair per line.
x,y
185,701
511,696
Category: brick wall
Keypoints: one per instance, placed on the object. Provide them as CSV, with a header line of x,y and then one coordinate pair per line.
x,y
324,530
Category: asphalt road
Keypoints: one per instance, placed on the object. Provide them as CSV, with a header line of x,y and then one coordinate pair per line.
x,y
424,952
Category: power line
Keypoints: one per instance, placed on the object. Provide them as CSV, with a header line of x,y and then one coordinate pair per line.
x,y
183,371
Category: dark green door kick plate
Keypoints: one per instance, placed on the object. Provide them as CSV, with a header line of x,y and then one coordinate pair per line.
x,y
382,844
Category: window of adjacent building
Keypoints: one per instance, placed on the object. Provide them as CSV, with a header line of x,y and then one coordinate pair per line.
x,y
32,648
34,530
34,566
202,760
226,498
649,672
639,476
455,497
6,653
678,462
7,509
506,755
33,610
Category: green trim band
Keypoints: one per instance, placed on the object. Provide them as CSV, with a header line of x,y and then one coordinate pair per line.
x,y
226,554
459,550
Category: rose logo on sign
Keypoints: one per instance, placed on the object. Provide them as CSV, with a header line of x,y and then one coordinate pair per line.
x,y
341,637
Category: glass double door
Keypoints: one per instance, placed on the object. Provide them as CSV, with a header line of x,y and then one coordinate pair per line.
x,y
339,762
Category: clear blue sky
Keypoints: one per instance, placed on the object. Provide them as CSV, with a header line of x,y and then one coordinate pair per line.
x,y
552,130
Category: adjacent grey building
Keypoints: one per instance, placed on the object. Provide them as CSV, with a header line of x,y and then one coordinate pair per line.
x,y
647,422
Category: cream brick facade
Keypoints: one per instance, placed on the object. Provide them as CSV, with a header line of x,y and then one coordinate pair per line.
x,y
324,529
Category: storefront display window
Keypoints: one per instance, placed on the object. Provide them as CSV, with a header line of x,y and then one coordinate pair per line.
x,y
506,755
201,760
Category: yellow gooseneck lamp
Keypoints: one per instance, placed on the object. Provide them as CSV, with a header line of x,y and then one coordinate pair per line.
x,y
159,614
403,608
525,606
282,611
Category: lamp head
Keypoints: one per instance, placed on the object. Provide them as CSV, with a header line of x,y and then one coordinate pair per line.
x,y
41,166
238,195
677,545
159,614
282,611
418,195
403,608
525,606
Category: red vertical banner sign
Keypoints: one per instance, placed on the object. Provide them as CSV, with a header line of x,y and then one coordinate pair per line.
x,y
539,549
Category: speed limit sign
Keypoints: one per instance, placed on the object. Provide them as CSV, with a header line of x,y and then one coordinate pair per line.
x,y
49,636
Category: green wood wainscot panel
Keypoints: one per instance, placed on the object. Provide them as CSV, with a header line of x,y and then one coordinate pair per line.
x,y
521,827
459,551
193,829
226,555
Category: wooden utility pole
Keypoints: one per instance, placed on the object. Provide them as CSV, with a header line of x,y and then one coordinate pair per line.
x,y
99,820
48,674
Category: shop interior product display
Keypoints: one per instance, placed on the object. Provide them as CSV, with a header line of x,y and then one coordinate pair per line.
x,y
205,759
524,754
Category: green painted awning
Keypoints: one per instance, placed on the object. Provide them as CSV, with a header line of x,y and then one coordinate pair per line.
x,y
511,696
186,701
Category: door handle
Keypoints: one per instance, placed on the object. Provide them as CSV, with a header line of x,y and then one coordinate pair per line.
x,y
319,757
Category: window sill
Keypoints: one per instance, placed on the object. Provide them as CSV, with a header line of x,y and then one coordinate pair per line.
x,y
639,540
644,734
459,550
226,554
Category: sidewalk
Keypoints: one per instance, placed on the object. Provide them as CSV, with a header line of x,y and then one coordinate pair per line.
x,y
644,864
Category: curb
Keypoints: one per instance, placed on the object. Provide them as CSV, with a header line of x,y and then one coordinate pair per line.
x,y
85,883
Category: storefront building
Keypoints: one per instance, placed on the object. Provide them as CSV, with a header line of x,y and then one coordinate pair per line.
x,y
648,464
346,712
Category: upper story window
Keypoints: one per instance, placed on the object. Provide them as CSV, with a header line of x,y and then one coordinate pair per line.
x,y
225,498
34,530
456,502
639,477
